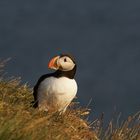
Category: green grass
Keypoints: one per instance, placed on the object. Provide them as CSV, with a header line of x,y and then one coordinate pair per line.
x,y
20,121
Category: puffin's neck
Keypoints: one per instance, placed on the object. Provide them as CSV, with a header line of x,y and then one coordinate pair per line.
x,y
69,74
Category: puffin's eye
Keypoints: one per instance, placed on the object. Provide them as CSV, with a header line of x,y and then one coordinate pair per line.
x,y
65,60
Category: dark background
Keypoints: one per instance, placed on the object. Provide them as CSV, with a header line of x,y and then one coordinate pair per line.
x,y
104,37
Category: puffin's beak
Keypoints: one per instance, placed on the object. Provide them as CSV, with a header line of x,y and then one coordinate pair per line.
x,y
53,63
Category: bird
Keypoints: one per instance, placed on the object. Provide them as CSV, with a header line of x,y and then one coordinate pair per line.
x,y
55,91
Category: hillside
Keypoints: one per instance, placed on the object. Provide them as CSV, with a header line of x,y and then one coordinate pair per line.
x,y
20,121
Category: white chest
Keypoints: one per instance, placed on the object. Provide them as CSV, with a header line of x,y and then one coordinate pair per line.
x,y
58,91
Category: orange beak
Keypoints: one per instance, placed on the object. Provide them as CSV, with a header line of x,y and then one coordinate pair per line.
x,y
53,63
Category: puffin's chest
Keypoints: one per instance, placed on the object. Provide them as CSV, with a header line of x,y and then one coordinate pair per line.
x,y
61,85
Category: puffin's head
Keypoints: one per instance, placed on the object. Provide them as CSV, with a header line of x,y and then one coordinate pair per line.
x,y
62,62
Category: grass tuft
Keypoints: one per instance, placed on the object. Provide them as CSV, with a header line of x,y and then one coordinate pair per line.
x,y
18,120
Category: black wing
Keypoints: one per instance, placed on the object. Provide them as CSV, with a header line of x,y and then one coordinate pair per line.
x,y
35,90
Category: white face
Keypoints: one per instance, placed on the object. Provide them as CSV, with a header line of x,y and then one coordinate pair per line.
x,y
65,63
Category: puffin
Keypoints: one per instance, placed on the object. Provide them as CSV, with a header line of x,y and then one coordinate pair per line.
x,y
55,91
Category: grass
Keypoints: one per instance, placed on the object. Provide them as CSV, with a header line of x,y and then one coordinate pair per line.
x,y
20,121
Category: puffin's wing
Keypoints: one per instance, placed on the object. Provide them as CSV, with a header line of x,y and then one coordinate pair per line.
x,y
35,89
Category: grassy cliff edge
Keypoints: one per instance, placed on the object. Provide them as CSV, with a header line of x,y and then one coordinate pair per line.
x,y
19,120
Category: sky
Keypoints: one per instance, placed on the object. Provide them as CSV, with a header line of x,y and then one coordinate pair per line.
x,y
103,36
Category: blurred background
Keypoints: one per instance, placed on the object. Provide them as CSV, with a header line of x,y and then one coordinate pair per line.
x,y
104,37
